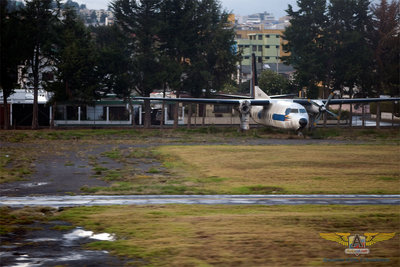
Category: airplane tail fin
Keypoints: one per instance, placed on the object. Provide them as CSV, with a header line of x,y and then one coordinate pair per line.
x,y
255,91
259,94
254,81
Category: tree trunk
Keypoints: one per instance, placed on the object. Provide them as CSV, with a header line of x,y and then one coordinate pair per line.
x,y
351,109
378,115
163,108
35,71
147,114
204,115
6,113
189,120
132,111
35,110
363,116
176,111
53,113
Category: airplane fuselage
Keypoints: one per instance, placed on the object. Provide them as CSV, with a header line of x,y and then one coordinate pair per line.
x,y
281,114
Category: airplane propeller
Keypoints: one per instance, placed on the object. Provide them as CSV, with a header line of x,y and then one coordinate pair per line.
x,y
323,108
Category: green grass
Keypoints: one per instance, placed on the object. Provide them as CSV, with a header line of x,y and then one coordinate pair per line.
x,y
17,220
114,154
15,163
298,169
235,235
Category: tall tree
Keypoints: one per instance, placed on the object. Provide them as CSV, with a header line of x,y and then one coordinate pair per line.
x,y
75,61
307,43
140,20
12,52
114,61
39,18
348,32
386,45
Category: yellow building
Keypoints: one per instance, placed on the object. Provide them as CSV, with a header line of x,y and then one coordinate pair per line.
x,y
266,44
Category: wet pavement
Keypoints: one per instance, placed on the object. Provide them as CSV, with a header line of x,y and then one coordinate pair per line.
x,y
89,200
46,246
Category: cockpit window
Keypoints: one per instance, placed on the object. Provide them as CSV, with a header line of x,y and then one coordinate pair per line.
x,y
294,110
303,110
287,111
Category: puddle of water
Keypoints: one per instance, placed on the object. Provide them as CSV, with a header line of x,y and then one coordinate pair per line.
x,y
80,233
34,184
49,247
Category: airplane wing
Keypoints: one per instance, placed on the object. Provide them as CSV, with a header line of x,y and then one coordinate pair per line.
x,y
249,97
346,101
253,102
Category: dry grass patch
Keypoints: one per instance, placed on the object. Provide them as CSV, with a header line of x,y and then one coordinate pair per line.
x,y
202,235
291,169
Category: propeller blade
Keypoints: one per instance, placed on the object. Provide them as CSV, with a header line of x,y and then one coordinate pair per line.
x,y
329,100
317,119
315,103
333,114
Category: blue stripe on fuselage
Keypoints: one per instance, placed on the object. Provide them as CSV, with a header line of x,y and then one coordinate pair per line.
x,y
278,117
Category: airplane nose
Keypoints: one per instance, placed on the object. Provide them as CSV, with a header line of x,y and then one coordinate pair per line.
x,y
303,122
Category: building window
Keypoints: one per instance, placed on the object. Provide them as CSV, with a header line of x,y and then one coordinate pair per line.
x,y
259,59
260,48
254,48
260,37
267,57
267,46
278,36
267,36
246,57
246,46
239,36
277,46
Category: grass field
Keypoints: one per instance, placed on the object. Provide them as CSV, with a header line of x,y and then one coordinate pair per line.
x,y
203,235
197,134
216,235
337,169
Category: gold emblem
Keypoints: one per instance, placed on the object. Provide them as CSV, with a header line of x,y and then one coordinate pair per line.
x,y
357,244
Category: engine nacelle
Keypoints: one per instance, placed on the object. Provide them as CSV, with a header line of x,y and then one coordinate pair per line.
x,y
315,109
244,110
245,107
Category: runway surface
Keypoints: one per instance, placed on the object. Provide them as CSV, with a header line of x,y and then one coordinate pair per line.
x,y
94,200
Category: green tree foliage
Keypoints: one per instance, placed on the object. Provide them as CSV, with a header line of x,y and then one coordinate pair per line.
x,y
329,44
273,83
182,43
350,51
12,51
386,46
307,42
39,19
76,62
141,21
114,60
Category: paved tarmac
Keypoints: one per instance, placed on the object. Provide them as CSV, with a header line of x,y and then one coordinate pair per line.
x,y
94,200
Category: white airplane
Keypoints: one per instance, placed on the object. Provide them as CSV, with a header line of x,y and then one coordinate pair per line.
x,y
290,114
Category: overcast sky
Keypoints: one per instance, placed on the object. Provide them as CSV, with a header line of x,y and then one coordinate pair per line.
x,y
239,7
